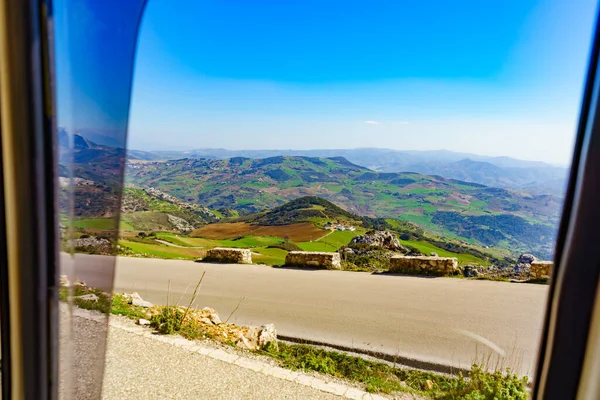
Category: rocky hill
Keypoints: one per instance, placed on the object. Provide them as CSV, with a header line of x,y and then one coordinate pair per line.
x,y
471,212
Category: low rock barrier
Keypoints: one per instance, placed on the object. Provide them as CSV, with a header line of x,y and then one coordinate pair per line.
x,y
222,254
424,265
313,259
541,270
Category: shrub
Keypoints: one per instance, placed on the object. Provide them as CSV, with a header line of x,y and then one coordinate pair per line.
x,y
168,321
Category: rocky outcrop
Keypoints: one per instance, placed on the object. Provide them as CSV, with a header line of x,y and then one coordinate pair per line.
x,y
208,321
227,255
179,223
313,259
522,268
423,265
472,271
541,269
92,245
128,204
526,259
382,239
526,268
136,300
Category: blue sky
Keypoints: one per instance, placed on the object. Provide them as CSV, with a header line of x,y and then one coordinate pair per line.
x,y
496,78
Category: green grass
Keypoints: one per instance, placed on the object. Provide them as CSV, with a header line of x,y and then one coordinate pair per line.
x,y
341,238
317,246
174,238
103,224
269,256
252,241
160,251
332,242
118,305
245,242
426,248
381,377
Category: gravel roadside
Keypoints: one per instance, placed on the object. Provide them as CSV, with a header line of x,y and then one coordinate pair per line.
x,y
142,368
139,367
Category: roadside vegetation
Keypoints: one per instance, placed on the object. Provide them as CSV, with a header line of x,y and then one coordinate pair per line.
x,y
480,384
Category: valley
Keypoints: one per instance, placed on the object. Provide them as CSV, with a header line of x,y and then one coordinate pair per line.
x,y
474,214
192,204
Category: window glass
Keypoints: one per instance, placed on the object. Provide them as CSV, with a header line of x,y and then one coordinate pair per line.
x,y
380,180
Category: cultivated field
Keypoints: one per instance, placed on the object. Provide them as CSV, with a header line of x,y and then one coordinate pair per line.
x,y
299,232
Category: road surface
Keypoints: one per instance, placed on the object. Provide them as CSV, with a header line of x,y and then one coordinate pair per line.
x,y
440,320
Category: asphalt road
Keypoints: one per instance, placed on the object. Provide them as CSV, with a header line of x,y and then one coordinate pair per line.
x,y
441,320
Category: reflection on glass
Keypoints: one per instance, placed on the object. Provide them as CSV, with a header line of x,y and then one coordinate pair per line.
x,y
95,44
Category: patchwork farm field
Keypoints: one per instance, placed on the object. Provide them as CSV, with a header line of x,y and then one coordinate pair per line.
x,y
245,242
100,224
227,235
298,232
163,251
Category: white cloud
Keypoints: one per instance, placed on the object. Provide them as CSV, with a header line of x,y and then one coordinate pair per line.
x,y
372,123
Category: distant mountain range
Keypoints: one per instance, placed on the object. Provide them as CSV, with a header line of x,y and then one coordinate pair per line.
x,y
454,209
515,219
504,172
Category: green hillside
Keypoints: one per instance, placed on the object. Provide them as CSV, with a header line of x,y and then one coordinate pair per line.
x,y
144,209
463,211
307,208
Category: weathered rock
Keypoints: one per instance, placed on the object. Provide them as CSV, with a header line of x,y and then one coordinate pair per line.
x,y
92,245
179,223
250,338
130,296
79,282
222,254
136,300
143,322
470,271
424,265
313,259
526,259
383,239
88,297
541,269
214,318
64,281
267,334
244,343
433,254
348,250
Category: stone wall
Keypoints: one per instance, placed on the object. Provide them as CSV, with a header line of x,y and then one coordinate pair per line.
x,y
313,259
424,265
541,270
222,254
